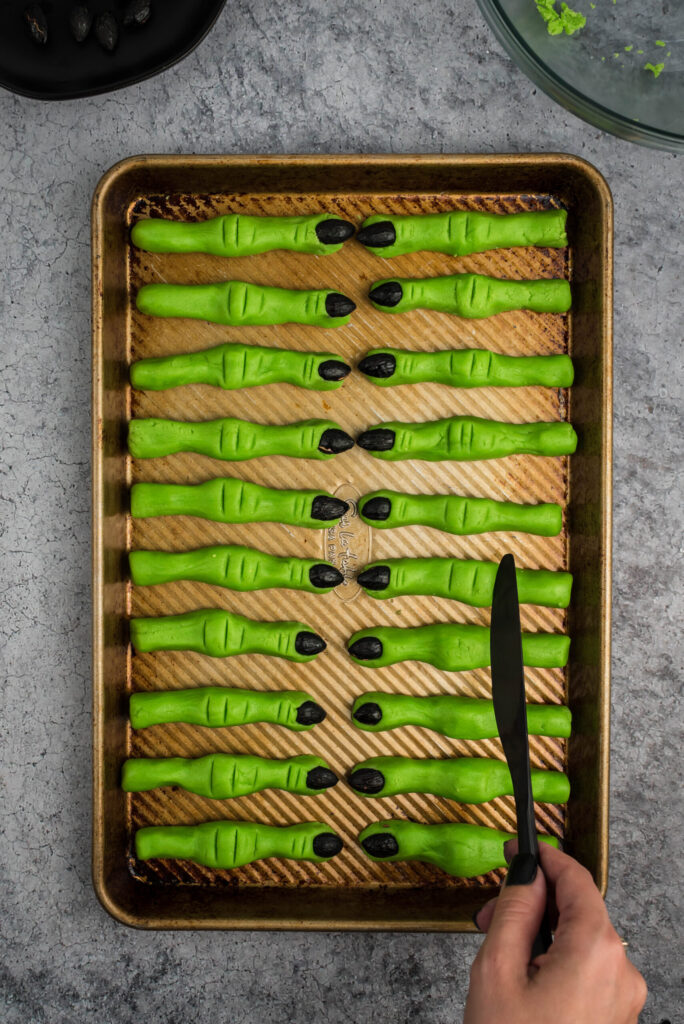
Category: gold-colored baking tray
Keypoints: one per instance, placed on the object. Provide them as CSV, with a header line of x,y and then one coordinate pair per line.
x,y
350,891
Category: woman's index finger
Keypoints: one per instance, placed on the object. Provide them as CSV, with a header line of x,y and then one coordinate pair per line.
x,y
581,910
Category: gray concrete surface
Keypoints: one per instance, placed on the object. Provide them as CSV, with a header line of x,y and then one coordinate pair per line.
x,y
300,76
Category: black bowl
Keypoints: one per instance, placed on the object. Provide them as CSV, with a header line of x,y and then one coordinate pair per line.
x,y
63,69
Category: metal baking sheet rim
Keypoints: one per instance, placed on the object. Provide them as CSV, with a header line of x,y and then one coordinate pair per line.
x,y
464,169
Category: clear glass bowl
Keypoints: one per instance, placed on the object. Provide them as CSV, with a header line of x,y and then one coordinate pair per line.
x,y
598,73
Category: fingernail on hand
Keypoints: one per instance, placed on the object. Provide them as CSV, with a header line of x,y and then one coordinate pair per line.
x,y
523,870
475,917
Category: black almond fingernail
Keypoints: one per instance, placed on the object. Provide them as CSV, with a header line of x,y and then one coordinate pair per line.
x,y
323,575
334,231
382,844
333,369
378,235
337,305
327,508
368,714
388,294
309,643
366,648
378,509
367,780
310,713
333,441
381,365
321,778
379,440
375,578
327,844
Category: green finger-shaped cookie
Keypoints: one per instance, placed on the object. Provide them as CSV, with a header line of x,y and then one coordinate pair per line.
x,y
470,295
460,718
236,440
470,780
234,366
466,368
452,646
221,634
461,579
466,439
238,234
230,844
237,501
454,514
461,232
461,850
235,568
236,303
223,776
217,707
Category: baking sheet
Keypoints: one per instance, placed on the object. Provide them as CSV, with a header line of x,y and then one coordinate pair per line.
x,y
332,678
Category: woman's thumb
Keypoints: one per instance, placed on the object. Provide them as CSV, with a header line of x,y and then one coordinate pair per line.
x,y
518,914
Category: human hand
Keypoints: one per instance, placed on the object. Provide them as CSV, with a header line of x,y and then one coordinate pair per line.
x,y
584,977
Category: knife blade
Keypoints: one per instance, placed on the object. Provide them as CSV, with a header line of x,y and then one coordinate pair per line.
x,y
508,695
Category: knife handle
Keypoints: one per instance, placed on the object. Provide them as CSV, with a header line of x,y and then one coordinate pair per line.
x,y
543,939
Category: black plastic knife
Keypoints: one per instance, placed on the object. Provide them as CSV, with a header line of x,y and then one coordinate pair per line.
x,y
508,694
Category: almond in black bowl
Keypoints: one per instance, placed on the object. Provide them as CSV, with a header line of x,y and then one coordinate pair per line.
x,y
36,20
80,22
107,31
137,13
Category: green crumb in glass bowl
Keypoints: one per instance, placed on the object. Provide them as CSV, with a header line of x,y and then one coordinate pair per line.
x,y
569,21
565,20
